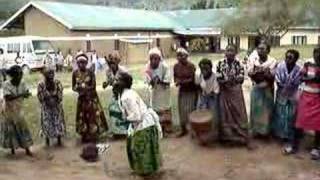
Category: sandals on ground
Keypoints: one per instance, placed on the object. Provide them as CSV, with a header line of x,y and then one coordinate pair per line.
x,y
315,154
288,150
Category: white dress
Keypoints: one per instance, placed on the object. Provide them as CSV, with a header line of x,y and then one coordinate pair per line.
x,y
160,94
137,112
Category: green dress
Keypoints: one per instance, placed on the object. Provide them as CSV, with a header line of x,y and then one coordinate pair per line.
x,y
14,131
144,151
118,125
143,147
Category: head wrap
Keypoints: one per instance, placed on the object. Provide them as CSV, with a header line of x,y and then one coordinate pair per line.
x,y
81,57
114,57
47,69
182,51
156,51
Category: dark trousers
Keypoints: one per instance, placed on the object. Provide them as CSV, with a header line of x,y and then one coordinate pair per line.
x,y
299,134
59,68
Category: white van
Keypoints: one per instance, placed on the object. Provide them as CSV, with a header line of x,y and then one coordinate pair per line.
x,y
30,49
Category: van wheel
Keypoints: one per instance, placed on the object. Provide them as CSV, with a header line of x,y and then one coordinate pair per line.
x,y
25,69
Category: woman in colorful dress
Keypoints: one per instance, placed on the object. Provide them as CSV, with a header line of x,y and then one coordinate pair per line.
x,y
144,131
234,121
90,118
261,71
158,77
288,78
184,76
14,131
118,125
50,94
308,112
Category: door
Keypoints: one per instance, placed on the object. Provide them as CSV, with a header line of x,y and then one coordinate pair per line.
x,y
214,44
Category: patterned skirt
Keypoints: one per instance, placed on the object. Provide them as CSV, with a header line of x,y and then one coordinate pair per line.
x,y
118,125
90,120
233,125
52,121
282,125
15,133
144,152
187,102
262,104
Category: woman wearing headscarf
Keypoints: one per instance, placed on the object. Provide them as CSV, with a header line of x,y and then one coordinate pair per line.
x,y
158,77
261,71
144,132
184,76
118,125
14,131
233,126
90,118
113,69
50,95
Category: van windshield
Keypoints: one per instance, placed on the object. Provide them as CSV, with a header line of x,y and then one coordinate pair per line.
x,y
42,46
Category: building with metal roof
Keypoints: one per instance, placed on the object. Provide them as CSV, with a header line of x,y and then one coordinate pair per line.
x,y
134,31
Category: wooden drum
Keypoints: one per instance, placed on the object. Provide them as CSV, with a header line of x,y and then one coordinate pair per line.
x,y
201,122
166,121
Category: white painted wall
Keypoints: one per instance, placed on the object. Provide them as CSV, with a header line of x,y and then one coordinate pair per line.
x,y
244,42
223,42
312,36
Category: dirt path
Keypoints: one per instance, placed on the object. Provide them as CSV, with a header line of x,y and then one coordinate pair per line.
x,y
182,160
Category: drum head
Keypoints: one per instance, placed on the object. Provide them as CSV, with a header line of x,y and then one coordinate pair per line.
x,y
201,116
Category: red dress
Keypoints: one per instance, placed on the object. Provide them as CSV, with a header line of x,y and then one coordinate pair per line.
x,y
308,115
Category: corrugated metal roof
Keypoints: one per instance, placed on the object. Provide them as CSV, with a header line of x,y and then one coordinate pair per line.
x,y
202,18
89,17
200,31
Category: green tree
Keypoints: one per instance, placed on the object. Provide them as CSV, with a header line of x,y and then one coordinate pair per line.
x,y
271,17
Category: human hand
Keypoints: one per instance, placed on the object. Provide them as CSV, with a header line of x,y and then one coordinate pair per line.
x,y
26,94
104,85
155,80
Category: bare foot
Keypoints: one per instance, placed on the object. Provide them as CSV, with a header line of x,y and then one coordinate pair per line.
x,y
251,146
28,152
47,142
59,144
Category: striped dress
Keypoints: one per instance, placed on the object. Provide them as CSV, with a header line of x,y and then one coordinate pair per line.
x,y
286,101
184,76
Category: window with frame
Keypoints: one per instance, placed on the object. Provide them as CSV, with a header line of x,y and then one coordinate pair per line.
x,y
13,48
158,42
27,48
235,40
116,45
299,40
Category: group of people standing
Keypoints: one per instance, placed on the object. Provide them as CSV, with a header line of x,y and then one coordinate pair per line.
x,y
286,114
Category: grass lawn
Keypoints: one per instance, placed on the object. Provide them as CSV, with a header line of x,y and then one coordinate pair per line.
x,y
137,69
32,107
180,155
